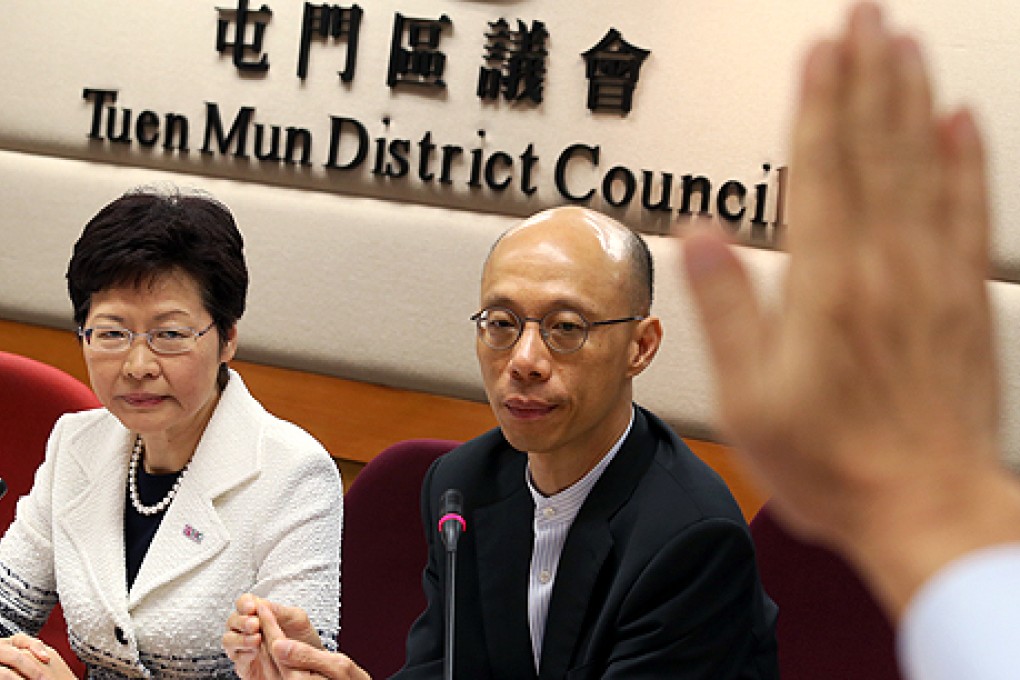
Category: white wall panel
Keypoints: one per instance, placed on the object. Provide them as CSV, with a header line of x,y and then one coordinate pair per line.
x,y
713,98
373,278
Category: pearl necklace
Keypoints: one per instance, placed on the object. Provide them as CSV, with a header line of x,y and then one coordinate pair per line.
x,y
148,510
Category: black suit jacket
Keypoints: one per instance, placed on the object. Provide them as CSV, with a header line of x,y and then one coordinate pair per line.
x,y
657,578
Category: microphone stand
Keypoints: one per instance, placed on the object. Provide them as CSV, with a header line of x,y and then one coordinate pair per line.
x,y
451,524
451,580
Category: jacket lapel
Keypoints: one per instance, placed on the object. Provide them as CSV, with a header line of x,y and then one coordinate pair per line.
x,y
588,544
583,555
191,534
93,522
504,540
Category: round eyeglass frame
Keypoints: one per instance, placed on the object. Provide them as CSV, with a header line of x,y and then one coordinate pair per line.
x,y
86,335
480,320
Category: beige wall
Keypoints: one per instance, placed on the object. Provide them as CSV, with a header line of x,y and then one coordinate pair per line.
x,y
345,265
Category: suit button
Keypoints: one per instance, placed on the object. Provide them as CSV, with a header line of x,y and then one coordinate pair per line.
x,y
118,633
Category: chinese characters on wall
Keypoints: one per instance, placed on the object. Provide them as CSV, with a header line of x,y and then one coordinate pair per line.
x,y
511,67
513,61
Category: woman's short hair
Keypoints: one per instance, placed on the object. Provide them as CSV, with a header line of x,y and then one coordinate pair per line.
x,y
152,231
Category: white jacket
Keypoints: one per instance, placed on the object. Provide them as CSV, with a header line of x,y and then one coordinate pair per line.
x,y
259,510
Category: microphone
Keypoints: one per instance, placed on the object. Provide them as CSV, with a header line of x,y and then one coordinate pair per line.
x,y
451,526
3,488
451,519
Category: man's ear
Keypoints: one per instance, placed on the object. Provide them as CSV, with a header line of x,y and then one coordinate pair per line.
x,y
644,345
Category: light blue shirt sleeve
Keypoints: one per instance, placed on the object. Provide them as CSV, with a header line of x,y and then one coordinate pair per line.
x,y
965,622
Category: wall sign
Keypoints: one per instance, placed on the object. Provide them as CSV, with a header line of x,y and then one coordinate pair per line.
x,y
512,71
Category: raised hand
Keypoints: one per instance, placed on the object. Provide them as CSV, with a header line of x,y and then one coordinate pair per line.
x,y
868,399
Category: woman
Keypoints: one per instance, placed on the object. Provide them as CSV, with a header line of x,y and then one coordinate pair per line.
x,y
149,517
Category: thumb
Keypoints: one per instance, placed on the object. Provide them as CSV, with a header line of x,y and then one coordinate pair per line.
x,y
727,306
289,617
297,655
271,630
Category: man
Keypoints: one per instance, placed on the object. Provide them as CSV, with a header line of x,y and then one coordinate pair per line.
x,y
608,549
870,402
598,546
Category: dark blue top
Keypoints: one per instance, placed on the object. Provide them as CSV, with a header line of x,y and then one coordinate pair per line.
x,y
138,528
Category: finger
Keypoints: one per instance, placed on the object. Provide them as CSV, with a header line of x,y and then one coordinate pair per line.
x,y
272,633
295,623
816,167
918,177
271,630
966,262
295,655
288,616
241,656
727,307
873,144
912,83
246,604
244,624
967,213
33,645
871,86
236,643
18,663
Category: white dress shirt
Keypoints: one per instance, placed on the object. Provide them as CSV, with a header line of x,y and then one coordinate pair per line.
x,y
964,624
553,517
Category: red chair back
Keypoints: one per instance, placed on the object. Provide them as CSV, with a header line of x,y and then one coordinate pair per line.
x,y
32,396
384,553
829,627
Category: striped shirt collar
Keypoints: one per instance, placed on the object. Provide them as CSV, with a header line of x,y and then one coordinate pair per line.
x,y
568,501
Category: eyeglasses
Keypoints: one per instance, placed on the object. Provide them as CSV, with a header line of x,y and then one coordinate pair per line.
x,y
173,340
563,330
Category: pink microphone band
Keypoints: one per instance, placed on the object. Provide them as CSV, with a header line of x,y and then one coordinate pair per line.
x,y
452,515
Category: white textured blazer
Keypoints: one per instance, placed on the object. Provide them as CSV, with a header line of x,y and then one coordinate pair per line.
x,y
259,510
